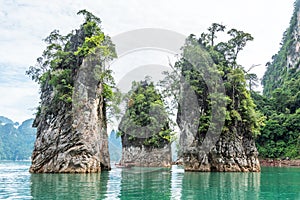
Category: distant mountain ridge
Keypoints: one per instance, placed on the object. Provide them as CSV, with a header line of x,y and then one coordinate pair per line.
x,y
16,141
5,120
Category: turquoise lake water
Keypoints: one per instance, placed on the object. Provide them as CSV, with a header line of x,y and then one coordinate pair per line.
x,y
148,183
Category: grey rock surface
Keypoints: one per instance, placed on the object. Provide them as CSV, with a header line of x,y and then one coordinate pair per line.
x,y
72,138
146,157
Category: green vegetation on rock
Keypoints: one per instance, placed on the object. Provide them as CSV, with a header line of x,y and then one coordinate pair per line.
x,y
76,88
216,113
240,110
145,121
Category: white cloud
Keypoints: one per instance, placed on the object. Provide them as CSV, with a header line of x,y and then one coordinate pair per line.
x,y
18,103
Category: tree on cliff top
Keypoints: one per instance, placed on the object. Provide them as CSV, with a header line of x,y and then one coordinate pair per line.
x,y
145,121
59,63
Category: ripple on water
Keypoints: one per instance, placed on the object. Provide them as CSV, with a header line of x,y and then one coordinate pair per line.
x,y
14,180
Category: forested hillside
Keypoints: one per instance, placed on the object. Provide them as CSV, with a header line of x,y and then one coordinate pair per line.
x,y
280,102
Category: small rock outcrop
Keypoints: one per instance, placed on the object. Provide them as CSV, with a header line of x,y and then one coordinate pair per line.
x,y
142,156
145,129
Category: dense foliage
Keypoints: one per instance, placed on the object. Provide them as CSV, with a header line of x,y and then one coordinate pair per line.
x,y
280,137
280,102
16,141
145,121
58,65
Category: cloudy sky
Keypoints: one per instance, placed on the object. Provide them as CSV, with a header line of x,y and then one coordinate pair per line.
x,y
23,25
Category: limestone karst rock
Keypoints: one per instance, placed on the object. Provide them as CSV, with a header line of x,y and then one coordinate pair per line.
x,y
216,114
75,87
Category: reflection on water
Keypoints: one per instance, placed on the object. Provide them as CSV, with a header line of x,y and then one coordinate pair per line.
x,y
114,184
69,186
221,185
148,183
176,182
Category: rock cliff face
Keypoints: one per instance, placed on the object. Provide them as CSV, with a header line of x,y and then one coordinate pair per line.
x,y
294,49
136,153
238,155
73,138
232,151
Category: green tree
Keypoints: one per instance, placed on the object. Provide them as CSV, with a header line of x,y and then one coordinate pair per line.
x,y
237,43
209,38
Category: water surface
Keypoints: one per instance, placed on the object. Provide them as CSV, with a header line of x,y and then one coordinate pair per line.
x,y
148,183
